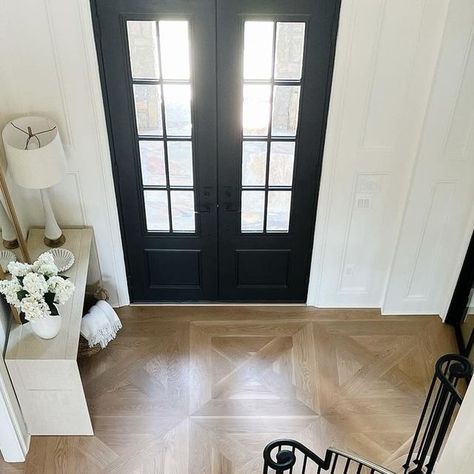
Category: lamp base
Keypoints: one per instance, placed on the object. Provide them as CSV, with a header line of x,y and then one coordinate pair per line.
x,y
10,244
56,242
53,235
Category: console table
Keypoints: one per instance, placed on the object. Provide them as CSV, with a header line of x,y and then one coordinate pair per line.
x,y
45,373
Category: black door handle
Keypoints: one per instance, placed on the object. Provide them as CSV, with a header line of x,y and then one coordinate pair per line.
x,y
206,199
228,203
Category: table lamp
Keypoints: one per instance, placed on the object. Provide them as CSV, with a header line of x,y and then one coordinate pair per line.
x,y
36,160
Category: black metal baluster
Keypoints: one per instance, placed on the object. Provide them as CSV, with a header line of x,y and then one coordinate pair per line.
x,y
346,469
305,460
431,419
422,419
437,413
293,451
443,428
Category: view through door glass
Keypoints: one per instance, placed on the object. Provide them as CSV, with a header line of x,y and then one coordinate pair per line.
x,y
160,71
217,115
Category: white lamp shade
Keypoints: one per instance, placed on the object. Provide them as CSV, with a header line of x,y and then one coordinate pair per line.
x,y
34,168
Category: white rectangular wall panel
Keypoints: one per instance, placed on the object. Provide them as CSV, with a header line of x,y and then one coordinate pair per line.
x,y
439,216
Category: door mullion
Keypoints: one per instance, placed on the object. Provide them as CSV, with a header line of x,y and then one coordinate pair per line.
x,y
269,133
165,136
168,192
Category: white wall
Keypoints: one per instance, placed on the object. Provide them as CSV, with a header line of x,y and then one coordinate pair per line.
x,y
48,66
458,455
396,202
14,439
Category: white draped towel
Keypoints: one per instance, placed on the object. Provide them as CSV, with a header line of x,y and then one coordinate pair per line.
x,y
100,324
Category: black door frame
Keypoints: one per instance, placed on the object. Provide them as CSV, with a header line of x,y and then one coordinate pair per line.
x,y
335,7
457,307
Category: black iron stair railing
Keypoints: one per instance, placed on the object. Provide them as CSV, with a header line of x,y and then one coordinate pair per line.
x,y
292,456
289,456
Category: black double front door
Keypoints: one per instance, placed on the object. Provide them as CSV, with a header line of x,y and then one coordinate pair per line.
x,y
217,115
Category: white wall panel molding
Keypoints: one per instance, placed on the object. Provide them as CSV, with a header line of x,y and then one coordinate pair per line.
x,y
32,82
433,232
439,215
385,61
68,199
67,133
372,83
367,198
459,136
116,267
388,86
5,71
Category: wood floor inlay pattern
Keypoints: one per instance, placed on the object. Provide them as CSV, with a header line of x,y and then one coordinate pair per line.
x,y
203,389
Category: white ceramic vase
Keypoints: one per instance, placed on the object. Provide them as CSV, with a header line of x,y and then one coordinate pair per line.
x,y
47,327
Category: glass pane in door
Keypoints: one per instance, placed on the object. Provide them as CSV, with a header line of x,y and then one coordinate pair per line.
x,y
174,49
254,159
180,163
177,109
148,109
258,49
282,155
286,101
289,50
278,211
182,211
256,113
152,158
156,207
253,206
143,49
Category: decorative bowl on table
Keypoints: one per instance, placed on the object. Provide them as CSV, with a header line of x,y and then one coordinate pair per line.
x,y
63,258
6,256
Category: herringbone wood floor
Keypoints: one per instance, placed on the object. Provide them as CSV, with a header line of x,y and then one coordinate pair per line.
x,y
203,389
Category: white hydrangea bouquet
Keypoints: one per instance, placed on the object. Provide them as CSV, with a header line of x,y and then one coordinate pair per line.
x,y
35,289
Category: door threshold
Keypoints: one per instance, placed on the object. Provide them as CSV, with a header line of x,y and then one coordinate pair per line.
x,y
220,303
